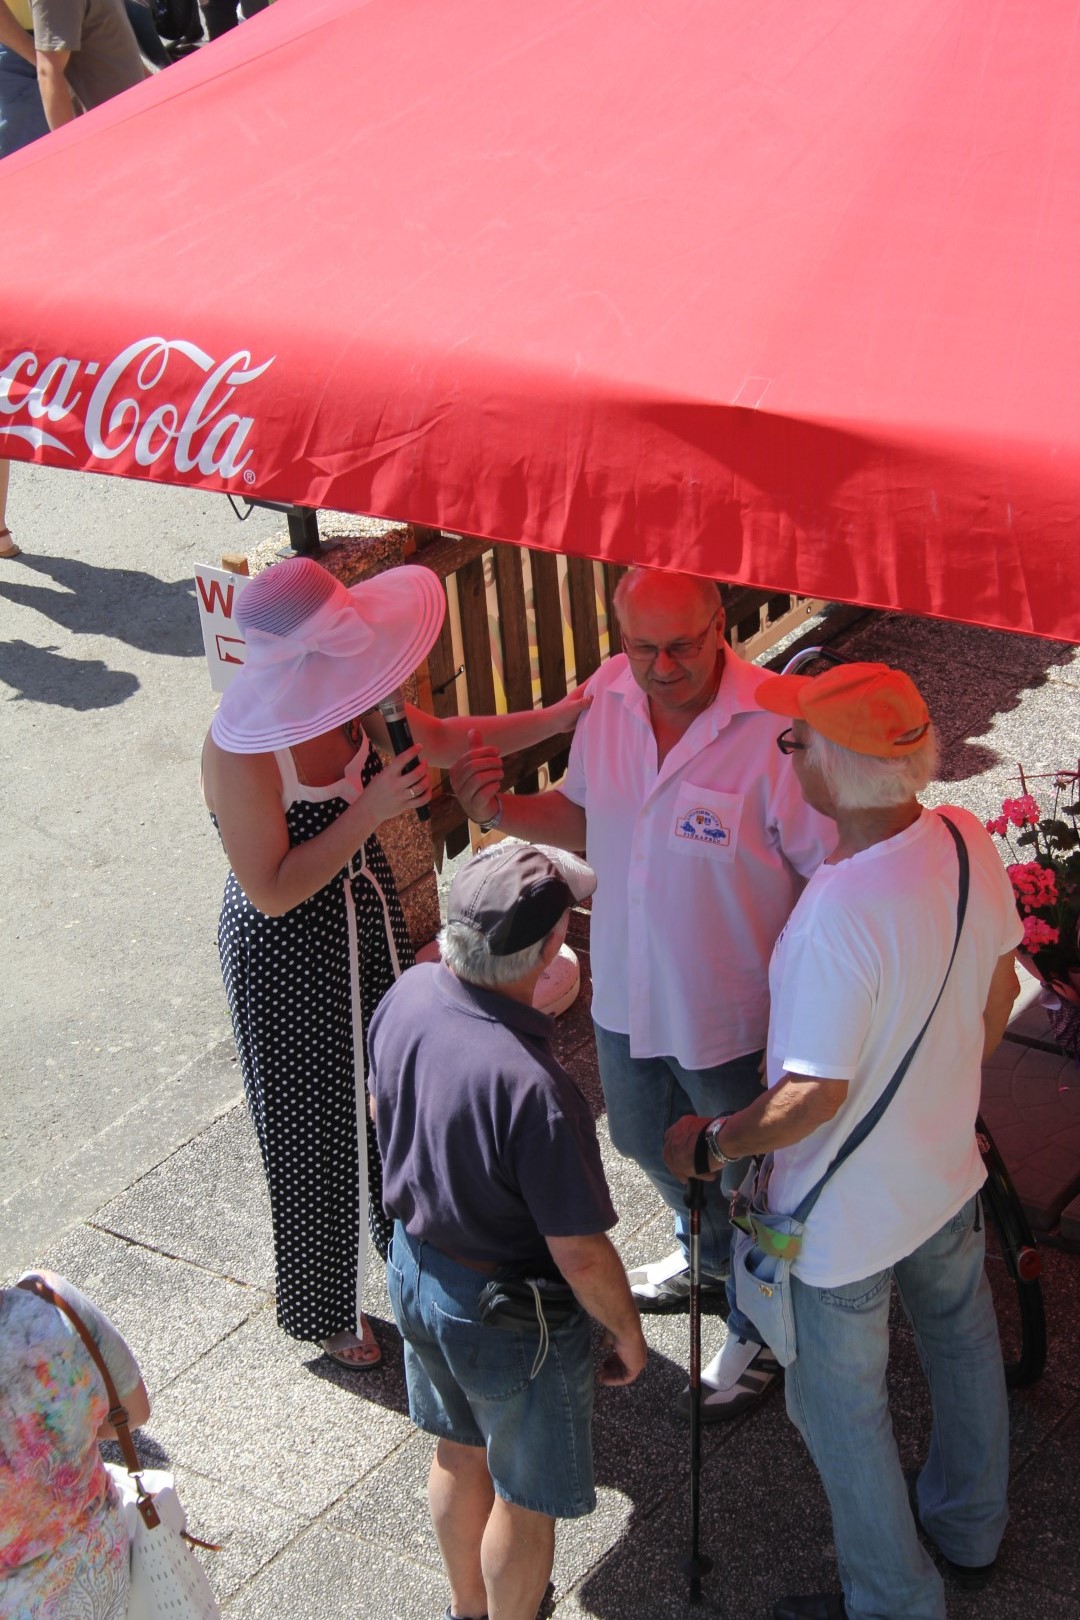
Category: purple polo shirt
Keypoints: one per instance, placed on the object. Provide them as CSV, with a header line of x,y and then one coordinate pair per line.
x,y
488,1147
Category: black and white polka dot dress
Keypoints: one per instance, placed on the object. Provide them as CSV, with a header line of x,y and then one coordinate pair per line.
x,y
302,988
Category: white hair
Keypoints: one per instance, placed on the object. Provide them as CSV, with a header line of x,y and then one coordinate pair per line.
x,y
865,782
467,954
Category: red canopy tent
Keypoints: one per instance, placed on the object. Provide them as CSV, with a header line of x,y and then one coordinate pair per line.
x,y
783,293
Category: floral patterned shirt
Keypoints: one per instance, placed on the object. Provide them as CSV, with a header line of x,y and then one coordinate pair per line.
x,y
63,1545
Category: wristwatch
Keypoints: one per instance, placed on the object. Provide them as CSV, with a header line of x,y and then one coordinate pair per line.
x,y
493,821
713,1133
706,1143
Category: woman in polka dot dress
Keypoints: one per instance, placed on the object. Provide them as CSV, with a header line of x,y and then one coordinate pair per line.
x,y
311,933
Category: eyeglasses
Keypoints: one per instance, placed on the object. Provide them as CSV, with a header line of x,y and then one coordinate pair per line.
x,y
644,652
787,744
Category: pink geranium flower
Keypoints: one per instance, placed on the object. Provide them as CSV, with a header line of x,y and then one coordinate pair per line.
x,y
1022,812
1046,886
1034,886
1038,933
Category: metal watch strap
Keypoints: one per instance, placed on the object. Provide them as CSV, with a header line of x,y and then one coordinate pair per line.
x,y
712,1140
707,1144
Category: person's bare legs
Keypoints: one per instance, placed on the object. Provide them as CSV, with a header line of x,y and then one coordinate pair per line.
x,y
497,1557
8,548
517,1554
460,1494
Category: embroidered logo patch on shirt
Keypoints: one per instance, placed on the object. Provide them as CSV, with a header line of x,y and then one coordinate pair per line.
x,y
703,826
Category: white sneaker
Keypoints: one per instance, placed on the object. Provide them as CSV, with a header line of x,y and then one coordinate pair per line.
x,y
664,1285
736,1378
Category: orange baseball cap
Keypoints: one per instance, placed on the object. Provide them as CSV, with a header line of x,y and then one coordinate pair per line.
x,y
868,708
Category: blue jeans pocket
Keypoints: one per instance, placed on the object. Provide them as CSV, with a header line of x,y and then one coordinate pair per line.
x,y
489,1364
856,1296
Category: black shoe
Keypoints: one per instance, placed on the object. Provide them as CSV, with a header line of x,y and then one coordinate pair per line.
x,y
815,1606
968,1577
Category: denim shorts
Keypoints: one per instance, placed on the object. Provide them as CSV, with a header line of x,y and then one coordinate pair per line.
x,y
472,1384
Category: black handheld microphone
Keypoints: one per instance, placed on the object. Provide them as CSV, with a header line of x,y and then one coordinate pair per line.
x,y
392,709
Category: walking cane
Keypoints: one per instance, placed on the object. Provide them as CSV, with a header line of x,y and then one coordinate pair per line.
x,y
695,1565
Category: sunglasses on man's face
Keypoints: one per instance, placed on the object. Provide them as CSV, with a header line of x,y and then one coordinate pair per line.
x,y
788,743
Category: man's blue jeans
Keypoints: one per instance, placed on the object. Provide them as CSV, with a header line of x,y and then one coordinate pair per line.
x,y
836,1397
22,117
646,1095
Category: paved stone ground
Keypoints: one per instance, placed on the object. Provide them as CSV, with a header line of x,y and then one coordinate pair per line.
x,y
312,1477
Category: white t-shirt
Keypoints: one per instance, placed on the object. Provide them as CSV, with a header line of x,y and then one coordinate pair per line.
x,y
698,865
853,977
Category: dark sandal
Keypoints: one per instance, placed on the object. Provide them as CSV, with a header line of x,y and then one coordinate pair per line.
x,y
355,1357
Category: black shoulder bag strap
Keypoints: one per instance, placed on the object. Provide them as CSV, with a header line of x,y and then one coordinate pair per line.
x,y
870,1119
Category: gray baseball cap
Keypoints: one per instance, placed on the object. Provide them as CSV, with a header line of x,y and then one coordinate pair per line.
x,y
514,894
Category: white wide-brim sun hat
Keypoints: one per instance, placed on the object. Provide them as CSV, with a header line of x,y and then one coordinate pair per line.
x,y
318,653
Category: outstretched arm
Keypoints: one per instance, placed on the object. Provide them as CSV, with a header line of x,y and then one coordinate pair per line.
x,y
442,742
544,818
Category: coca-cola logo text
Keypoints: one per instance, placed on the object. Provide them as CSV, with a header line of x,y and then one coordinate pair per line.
x,y
131,405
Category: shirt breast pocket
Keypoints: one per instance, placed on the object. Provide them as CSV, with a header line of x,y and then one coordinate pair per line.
x,y
705,823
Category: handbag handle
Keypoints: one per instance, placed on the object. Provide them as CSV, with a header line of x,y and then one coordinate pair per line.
x,y
870,1119
118,1416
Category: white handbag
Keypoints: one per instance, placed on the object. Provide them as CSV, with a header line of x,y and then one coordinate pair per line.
x,y
167,1580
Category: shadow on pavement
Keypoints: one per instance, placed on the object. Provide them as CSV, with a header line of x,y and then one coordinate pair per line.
x,y
45,675
134,607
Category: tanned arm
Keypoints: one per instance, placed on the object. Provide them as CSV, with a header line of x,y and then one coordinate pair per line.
x,y
794,1108
595,1273
1004,989
545,818
55,90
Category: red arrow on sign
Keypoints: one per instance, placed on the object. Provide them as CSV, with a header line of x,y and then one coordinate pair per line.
x,y
225,642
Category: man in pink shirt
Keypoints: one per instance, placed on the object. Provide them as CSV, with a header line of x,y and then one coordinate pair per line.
x,y
701,843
